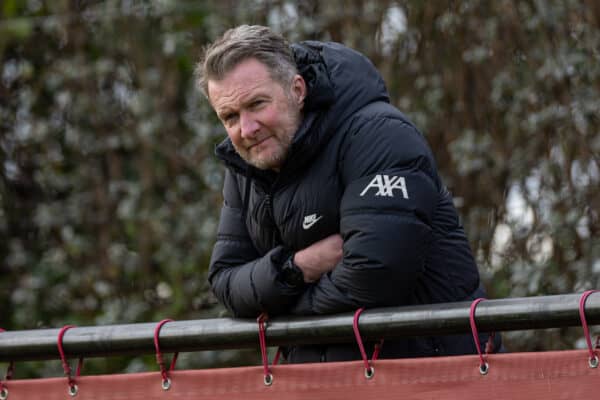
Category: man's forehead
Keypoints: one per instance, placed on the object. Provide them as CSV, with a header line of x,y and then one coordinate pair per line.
x,y
242,81
245,71
227,94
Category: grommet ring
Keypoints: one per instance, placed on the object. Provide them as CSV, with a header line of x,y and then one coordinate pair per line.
x,y
370,372
4,394
268,379
73,389
593,362
484,368
166,384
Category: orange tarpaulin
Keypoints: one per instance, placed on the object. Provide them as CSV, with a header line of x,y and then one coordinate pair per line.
x,y
531,376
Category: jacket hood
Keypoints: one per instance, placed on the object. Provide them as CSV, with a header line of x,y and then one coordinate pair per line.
x,y
339,82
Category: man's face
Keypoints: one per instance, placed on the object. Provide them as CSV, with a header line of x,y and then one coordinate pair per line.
x,y
260,116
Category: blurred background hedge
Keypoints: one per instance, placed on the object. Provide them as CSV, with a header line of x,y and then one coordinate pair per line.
x,y
110,193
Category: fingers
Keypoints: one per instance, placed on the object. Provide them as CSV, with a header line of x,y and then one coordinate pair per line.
x,y
320,257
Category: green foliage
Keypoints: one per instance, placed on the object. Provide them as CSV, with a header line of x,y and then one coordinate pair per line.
x,y
109,192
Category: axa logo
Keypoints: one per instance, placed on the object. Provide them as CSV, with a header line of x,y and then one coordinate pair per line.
x,y
386,184
310,220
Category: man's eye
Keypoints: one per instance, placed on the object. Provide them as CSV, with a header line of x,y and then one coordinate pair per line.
x,y
229,118
256,103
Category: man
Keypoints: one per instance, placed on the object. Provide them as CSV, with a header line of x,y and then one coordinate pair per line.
x,y
332,200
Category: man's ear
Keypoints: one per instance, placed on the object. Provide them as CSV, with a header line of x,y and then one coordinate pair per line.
x,y
299,88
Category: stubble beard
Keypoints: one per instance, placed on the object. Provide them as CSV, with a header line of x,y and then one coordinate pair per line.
x,y
276,158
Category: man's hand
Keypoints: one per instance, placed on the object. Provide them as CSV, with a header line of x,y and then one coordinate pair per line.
x,y
319,257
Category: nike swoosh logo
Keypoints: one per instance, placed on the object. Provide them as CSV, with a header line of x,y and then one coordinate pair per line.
x,y
310,221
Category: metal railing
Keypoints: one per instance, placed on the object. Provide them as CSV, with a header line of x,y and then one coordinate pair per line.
x,y
229,333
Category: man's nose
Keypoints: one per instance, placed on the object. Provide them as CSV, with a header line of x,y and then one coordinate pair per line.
x,y
248,124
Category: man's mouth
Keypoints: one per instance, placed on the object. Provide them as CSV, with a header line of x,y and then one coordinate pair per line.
x,y
258,142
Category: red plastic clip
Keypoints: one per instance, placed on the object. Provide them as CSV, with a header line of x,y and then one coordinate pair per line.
x,y
73,389
7,377
483,365
166,380
262,333
593,359
369,369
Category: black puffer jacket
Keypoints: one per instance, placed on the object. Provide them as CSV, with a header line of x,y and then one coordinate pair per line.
x,y
357,166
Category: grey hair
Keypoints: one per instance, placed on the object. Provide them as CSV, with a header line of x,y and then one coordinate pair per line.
x,y
242,43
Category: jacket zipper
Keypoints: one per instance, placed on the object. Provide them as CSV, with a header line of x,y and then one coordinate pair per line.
x,y
271,213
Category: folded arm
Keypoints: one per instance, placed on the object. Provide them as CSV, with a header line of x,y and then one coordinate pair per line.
x,y
386,221
246,282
